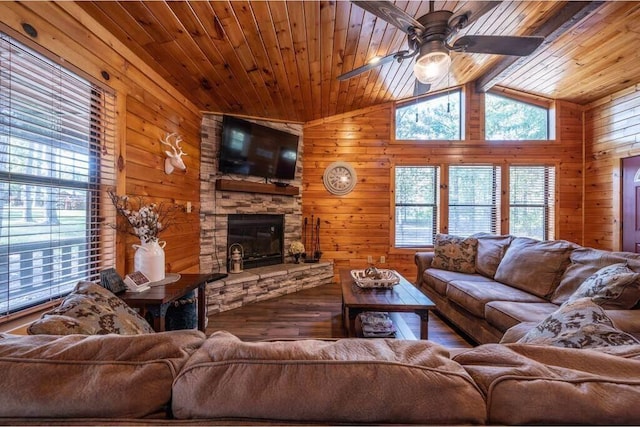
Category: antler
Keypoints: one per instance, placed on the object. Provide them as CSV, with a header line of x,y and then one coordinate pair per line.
x,y
174,159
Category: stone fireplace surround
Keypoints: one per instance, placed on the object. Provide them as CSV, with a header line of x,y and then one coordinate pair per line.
x,y
215,206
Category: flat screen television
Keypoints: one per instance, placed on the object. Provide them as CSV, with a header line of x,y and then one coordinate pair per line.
x,y
252,149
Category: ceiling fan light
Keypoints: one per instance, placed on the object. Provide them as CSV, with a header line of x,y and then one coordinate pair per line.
x,y
374,60
432,66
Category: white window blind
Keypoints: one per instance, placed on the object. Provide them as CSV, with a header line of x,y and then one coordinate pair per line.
x,y
56,160
416,205
532,201
474,199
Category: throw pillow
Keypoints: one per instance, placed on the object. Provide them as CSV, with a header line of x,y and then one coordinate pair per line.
x,y
578,324
534,266
614,287
91,310
491,250
455,253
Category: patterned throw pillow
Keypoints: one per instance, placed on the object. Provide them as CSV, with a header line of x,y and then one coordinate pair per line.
x,y
577,324
91,310
614,287
455,253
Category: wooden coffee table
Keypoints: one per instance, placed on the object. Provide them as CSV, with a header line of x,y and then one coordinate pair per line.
x,y
403,297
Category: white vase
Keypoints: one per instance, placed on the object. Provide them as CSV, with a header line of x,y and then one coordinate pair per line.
x,y
149,259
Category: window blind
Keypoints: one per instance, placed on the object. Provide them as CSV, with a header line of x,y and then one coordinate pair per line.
x,y
56,161
532,201
416,205
474,199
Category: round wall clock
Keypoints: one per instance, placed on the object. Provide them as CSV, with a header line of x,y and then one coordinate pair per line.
x,y
339,178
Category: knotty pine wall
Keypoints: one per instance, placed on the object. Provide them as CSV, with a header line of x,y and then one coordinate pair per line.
x,y
147,108
358,224
611,134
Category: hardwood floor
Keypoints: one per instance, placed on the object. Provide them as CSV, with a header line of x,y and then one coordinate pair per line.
x,y
313,313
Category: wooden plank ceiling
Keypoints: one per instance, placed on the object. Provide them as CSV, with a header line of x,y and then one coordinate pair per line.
x,y
280,60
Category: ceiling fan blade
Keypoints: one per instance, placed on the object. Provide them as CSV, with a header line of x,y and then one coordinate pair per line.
x,y
420,88
469,16
498,45
390,13
371,64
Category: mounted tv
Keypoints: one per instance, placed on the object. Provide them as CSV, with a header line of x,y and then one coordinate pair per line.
x,y
252,149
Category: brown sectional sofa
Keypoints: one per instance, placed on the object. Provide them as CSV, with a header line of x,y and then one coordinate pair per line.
x,y
184,378
515,283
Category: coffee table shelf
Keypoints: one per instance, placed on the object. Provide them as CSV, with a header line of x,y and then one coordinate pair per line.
x,y
403,297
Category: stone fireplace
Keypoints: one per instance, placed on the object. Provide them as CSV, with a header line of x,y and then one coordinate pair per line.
x,y
217,207
261,237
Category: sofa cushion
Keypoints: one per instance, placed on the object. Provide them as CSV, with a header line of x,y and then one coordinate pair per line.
x,y
614,286
344,381
502,315
527,384
90,310
534,266
472,296
438,279
455,253
584,263
578,324
100,376
491,250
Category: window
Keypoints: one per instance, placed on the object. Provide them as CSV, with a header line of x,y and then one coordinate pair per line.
x,y
436,117
474,199
508,119
416,205
55,157
532,201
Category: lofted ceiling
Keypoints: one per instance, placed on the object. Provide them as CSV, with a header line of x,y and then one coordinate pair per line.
x,y
281,59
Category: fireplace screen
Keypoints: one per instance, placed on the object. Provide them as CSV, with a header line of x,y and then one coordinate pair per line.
x,y
261,236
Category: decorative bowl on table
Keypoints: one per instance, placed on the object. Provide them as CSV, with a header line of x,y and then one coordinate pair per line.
x,y
375,278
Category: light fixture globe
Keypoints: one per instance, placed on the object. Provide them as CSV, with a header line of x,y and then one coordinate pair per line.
x,y
433,62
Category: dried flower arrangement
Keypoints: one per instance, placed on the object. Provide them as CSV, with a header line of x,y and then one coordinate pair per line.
x,y
142,220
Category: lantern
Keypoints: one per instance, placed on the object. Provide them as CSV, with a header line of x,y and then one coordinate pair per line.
x,y
236,253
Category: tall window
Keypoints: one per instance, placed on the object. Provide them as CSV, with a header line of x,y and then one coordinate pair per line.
x,y
474,199
416,205
508,119
55,157
436,117
532,201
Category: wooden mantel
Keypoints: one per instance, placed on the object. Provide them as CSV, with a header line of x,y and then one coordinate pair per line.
x,y
256,187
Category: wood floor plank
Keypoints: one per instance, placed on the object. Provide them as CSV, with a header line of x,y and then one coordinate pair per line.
x,y
313,313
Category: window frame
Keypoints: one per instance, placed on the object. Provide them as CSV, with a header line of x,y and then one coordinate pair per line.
x,y
544,103
503,224
96,139
459,90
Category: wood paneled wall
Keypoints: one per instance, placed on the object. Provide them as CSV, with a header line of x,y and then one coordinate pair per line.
x,y
611,134
358,224
147,108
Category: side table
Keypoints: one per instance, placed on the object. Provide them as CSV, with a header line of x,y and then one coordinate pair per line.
x,y
157,299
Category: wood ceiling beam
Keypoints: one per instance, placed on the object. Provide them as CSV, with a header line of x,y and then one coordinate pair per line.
x,y
570,14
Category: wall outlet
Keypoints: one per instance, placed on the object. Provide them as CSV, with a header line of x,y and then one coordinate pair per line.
x,y
383,259
370,259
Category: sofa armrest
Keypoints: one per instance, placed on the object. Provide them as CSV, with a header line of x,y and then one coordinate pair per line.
x,y
423,261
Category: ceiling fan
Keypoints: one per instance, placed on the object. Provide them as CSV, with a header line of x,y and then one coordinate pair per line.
x,y
433,36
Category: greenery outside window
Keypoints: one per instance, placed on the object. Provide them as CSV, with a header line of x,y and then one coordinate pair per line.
x,y
512,120
436,117
474,199
532,201
56,160
416,205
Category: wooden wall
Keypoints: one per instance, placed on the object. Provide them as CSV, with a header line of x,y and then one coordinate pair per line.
x,y
358,224
148,107
611,134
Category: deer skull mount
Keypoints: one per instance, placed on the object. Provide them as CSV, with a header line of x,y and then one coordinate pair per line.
x,y
174,157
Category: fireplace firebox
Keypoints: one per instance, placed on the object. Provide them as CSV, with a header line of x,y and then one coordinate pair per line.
x,y
261,237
